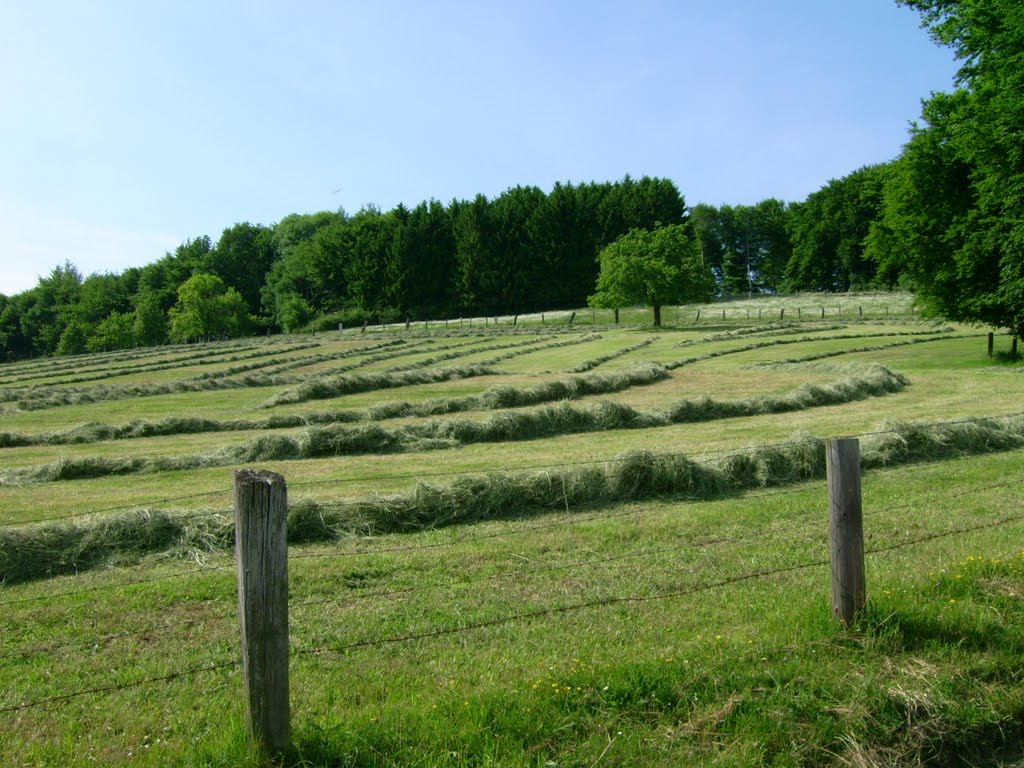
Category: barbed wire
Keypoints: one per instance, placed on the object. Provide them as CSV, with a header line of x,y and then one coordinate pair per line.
x,y
119,508
104,689
572,522
627,599
41,650
702,457
118,585
341,650
579,564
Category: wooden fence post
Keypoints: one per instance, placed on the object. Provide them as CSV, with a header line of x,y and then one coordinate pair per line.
x,y
261,554
845,528
991,343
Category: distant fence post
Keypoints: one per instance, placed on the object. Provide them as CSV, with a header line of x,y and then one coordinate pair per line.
x,y
845,528
991,343
261,553
823,313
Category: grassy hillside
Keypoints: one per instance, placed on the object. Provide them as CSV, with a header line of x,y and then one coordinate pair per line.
x,y
524,544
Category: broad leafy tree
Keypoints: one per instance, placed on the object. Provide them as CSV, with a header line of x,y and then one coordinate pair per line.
x,y
654,268
207,309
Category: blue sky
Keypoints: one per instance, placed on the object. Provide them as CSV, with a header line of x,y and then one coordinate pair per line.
x,y
127,127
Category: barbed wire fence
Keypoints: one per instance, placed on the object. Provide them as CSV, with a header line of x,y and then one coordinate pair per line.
x,y
324,651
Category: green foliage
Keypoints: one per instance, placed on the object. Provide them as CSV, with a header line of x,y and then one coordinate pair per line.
x,y
116,331
207,309
954,214
149,325
654,268
829,231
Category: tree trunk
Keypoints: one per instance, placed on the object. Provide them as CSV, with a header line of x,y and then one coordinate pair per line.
x,y
657,315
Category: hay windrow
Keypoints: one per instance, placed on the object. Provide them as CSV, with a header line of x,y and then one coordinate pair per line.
x,y
588,365
932,335
327,387
553,420
38,551
852,350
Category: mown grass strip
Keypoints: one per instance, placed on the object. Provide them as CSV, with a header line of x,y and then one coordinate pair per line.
x,y
237,377
554,420
36,551
852,350
495,398
75,362
928,336
327,387
588,365
19,393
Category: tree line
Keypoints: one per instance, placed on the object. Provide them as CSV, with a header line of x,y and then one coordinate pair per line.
x,y
945,218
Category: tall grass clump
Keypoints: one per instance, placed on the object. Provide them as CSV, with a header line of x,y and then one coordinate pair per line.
x,y
39,551
900,442
495,398
561,418
34,551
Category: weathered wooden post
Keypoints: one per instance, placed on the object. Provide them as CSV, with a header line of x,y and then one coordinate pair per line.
x,y
991,343
723,313
698,315
845,528
261,554
617,315
782,313
823,312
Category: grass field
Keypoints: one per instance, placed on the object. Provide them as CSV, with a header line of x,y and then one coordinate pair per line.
x,y
530,544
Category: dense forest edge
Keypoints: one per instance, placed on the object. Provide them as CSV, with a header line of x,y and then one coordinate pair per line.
x,y
945,219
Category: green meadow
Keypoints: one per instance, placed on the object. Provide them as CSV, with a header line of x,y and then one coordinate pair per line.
x,y
530,543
